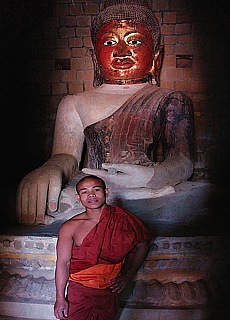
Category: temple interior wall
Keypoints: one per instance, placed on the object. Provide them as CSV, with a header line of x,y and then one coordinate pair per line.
x,y
45,56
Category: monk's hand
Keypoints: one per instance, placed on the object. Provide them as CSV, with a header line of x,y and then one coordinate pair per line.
x,y
37,191
119,283
124,175
61,308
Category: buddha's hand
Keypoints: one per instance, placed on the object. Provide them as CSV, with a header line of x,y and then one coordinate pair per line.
x,y
37,192
123,175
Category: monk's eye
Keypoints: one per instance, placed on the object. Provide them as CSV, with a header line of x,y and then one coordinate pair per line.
x,y
97,189
110,43
134,42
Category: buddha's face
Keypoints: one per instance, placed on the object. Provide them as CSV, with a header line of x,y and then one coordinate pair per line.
x,y
124,51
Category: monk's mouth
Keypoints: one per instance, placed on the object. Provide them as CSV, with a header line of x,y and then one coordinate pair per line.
x,y
93,201
122,63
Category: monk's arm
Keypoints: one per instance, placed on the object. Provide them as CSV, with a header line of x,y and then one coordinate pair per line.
x,y
141,253
142,250
64,247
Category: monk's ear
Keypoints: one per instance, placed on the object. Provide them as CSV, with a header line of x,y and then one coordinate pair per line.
x,y
157,64
78,197
106,192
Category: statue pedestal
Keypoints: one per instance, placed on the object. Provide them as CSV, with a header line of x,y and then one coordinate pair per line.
x,y
195,208
185,275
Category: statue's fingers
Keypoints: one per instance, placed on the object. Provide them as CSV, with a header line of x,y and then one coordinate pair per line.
x,y
41,202
89,171
96,172
125,168
54,193
19,204
32,204
25,198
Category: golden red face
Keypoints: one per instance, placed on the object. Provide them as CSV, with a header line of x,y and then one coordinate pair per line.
x,y
124,50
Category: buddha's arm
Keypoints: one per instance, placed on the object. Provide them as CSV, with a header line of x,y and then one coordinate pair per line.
x,y
42,187
174,122
171,171
69,131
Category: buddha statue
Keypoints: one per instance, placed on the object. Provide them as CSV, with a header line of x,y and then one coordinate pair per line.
x,y
139,136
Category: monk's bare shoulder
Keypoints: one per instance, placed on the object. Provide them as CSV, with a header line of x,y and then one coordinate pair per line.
x,y
78,217
72,224
75,220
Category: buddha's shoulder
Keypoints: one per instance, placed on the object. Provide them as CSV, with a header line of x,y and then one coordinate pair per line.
x,y
84,98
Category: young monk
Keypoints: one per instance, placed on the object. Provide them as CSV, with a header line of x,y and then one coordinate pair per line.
x,y
98,253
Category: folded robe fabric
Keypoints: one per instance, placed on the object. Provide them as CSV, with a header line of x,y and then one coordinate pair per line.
x,y
97,276
91,304
114,237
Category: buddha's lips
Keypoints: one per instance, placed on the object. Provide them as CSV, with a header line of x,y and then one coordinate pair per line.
x,y
122,63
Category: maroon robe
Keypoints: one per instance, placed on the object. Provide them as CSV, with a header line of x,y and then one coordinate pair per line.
x,y
113,239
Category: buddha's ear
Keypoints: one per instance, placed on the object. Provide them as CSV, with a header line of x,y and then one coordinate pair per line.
x,y
157,64
98,80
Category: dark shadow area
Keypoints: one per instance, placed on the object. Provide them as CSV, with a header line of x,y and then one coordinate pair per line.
x,y
23,112
211,18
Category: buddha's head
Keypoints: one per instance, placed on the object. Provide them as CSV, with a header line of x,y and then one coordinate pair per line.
x,y
126,40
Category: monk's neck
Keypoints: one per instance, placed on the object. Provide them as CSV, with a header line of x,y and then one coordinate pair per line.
x,y
94,213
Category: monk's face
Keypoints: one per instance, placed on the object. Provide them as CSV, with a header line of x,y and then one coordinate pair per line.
x,y
124,50
91,193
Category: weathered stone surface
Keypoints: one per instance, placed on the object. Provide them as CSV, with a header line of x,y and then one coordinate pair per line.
x,y
188,292
156,291
28,287
152,293
178,272
191,210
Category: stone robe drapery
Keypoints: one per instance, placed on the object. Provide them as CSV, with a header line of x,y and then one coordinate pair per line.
x,y
133,133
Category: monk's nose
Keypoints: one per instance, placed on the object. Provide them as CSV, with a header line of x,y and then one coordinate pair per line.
x,y
122,50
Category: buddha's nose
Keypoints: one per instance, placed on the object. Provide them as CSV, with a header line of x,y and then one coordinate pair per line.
x,y
122,50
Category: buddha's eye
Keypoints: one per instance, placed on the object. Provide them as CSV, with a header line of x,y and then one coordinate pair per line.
x,y
110,43
134,42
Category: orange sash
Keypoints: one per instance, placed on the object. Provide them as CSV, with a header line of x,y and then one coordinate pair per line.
x,y
97,276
